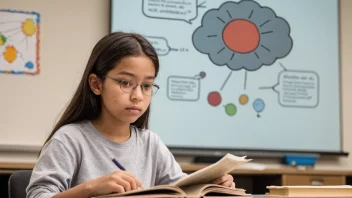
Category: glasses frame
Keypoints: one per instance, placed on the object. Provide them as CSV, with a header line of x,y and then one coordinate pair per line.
x,y
119,81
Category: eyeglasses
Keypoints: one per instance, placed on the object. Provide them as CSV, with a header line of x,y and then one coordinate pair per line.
x,y
148,89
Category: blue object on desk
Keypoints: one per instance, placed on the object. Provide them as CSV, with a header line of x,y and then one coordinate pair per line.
x,y
301,160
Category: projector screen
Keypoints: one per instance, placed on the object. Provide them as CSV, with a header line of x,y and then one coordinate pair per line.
x,y
256,75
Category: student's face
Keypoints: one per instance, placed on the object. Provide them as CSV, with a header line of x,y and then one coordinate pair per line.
x,y
124,106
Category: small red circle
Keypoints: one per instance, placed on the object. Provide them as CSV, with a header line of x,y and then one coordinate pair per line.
x,y
214,98
241,36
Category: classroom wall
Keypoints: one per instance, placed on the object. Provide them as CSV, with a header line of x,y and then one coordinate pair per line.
x,y
30,105
346,77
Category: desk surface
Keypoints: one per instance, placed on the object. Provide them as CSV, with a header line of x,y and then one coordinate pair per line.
x,y
270,171
11,167
14,165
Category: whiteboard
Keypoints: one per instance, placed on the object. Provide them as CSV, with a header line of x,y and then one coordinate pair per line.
x,y
242,74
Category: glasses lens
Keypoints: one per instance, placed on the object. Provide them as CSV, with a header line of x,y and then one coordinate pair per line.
x,y
155,89
150,89
147,89
126,86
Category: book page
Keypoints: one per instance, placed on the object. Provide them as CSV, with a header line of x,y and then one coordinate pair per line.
x,y
155,190
308,187
225,165
203,189
328,191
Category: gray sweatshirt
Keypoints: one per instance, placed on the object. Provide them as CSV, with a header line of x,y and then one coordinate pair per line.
x,y
79,152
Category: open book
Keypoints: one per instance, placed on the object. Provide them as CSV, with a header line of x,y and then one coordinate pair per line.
x,y
198,183
310,191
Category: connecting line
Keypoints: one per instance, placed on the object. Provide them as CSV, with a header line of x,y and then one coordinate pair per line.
x,y
271,87
26,42
20,55
266,87
201,5
173,49
275,89
14,34
283,66
245,80
22,40
10,22
223,85
10,30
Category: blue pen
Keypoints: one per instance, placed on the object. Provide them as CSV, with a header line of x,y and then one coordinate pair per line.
x,y
118,164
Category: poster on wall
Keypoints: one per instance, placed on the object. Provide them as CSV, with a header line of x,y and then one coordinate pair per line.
x,y
19,42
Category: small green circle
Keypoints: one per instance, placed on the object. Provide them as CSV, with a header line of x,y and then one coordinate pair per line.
x,y
2,39
231,109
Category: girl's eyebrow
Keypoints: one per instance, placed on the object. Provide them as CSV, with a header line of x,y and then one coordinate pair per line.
x,y
150,77
132,75
126,73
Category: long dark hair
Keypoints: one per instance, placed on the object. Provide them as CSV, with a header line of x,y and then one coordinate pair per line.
x,y
85,105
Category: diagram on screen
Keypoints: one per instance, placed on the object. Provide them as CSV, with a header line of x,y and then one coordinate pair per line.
x,y
296,88
162,47
242,35
184,88
185,10
19,42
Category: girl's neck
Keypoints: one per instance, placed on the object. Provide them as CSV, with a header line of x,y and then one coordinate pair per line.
x,y
112,129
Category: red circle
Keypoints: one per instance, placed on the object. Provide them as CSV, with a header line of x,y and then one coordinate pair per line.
x,y
214,98
241,36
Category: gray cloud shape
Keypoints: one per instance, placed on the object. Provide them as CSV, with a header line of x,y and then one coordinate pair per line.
x,y
273,45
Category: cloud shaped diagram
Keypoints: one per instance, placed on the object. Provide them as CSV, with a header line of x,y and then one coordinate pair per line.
x,y
243,35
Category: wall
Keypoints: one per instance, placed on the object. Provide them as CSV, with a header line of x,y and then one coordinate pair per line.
x,y
346,75
30,105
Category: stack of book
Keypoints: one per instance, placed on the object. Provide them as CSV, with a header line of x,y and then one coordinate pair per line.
x,y
338,191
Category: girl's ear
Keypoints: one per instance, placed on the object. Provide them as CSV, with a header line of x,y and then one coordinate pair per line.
x,y
95,84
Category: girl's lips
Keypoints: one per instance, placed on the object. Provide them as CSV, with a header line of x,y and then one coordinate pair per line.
x,y
134,110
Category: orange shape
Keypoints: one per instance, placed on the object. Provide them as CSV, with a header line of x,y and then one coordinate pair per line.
x,y
243,99
241,36
10,54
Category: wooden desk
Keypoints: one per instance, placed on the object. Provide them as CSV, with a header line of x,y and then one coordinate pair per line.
x,y
254,181
15,166
293,171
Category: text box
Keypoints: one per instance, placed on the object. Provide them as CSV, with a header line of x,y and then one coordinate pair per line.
x,y
184,10
298,89
183,88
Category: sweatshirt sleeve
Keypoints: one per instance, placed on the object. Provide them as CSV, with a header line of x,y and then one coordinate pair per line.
x,y
168,171
53,171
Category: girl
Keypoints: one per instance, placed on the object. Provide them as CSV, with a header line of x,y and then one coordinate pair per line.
x,y
108,118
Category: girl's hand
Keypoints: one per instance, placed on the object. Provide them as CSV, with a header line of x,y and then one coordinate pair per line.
x,y
226,180
116,182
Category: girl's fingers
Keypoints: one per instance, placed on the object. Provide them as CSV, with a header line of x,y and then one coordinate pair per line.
x,y
227,183
225,180
219,180
131,180
126,185
117,178
115,188
138,183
